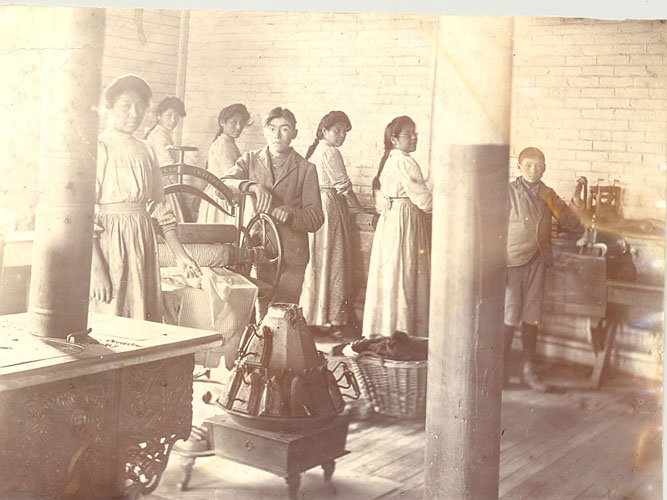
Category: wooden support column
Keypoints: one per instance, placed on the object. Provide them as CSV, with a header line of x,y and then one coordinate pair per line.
x,y
60,278
469,163
181,69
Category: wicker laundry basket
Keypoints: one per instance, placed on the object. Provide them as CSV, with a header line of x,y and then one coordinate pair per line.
x,y
394,388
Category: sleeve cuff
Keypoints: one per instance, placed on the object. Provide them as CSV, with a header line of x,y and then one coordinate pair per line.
x,y
245,186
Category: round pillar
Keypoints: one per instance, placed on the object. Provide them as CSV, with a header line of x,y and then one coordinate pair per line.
x,y
469,164
62,251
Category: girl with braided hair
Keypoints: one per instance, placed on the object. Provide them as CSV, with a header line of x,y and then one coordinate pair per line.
x,y
327,287
397,293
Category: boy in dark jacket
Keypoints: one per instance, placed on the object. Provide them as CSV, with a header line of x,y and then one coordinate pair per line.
x,y
532,206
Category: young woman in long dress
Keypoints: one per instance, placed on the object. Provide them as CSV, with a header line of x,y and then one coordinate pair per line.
x,y
397,293
170,112
222,156
327,287
125,278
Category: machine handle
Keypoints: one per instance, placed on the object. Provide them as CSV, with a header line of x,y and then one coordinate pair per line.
x,y
350,379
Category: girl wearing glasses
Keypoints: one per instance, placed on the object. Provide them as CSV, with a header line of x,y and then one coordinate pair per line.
x,y
397,293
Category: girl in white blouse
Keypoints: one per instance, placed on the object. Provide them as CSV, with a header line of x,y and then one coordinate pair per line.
x,y
170,112
125,277
397,293
222,155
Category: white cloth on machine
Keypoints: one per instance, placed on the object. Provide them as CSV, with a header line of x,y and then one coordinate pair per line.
x,y
221,300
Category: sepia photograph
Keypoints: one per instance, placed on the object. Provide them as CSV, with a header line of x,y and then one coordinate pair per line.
x,y
365,254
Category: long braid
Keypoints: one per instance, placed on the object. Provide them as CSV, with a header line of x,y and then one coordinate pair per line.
x,y
376,179
148,132
313,146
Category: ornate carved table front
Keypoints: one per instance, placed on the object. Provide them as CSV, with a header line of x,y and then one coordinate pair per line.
x,y
94,419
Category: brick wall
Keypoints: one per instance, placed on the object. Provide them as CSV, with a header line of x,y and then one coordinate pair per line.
x,y
373,67
20,109
144,42
593,95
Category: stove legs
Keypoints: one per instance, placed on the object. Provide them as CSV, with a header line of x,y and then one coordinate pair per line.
x,y
187,463
293,482
328,468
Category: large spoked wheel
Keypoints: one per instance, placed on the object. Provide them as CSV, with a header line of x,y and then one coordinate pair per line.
x,y
262,233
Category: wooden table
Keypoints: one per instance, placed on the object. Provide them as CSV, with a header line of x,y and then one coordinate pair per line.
x,y
578,285
621,296
95,419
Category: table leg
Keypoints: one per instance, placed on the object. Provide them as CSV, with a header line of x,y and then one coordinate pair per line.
x,y
602,356
329,468
293,482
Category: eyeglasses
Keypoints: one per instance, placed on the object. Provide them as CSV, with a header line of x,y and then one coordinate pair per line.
x,y
414,134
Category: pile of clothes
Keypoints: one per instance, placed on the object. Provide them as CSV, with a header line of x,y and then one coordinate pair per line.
x,y
399,347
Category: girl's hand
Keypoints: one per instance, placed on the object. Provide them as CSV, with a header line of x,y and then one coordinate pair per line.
x,y
263,197
100,287
188,267
282,214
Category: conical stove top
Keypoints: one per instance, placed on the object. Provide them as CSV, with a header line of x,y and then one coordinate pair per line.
x,y
281,380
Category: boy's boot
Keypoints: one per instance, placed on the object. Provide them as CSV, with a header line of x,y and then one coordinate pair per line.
x,y
529,341
508,332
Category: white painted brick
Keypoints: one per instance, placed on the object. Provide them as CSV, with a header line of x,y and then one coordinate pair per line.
x,y
597,71
616,81
565,70
613,60
658,93
581,123
603,135
649,82
524,81
596,50
655,48
647,59
632,71
630,49
613,103
597,92
592,155
576,145
608,146
634,158
536,71
626,136
580,60
546,39
551,81
562,154
584,81
639,115
654,160
645,147
631,92
580,102
613,124
607,168
578,166
597,113
648,104
629,38
565,92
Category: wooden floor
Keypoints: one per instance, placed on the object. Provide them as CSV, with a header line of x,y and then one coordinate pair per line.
x,y
583,445
577,444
